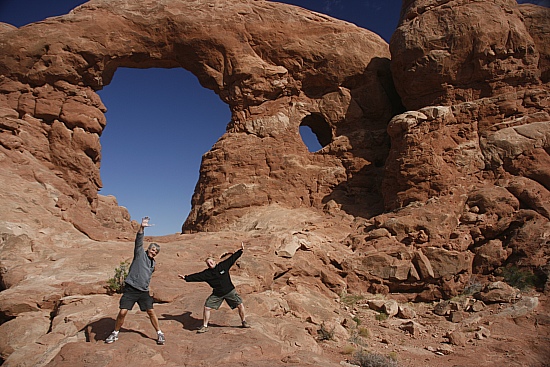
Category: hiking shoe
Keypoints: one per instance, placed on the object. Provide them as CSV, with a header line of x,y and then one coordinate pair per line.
x,y
161,340
112,338
203,329
245,325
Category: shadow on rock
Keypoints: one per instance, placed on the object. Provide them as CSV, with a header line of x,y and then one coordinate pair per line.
x,y
100,330
188,322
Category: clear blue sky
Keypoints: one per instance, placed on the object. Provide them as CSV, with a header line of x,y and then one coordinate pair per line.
x,y
161,121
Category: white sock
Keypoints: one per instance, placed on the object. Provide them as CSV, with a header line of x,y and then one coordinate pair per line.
x,y
115,332
159,332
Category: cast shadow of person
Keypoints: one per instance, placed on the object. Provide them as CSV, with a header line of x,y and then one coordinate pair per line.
x,y
189,322
99,330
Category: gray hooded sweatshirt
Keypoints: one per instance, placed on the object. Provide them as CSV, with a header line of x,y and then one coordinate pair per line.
x,y
142,267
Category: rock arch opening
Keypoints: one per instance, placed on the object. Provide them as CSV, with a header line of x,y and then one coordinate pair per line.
x,y
316,133
159,124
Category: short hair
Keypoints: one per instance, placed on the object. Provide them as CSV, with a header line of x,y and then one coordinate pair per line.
x,y
155,245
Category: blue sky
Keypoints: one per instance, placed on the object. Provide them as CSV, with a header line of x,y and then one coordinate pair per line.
x,y
161,121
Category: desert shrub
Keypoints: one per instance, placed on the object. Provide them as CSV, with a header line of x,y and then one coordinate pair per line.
x,y
472,287
364,332
116,283
382,316
520,278
357,320
355,339
325,333
350,299
366,359
348,349
358,337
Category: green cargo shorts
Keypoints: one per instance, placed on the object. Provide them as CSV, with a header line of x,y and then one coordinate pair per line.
x,y
232,299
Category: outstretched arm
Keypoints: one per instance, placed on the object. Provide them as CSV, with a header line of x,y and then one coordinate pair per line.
x,y
202,276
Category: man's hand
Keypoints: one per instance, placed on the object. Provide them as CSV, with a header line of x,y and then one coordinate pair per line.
x,y
181,276
145,222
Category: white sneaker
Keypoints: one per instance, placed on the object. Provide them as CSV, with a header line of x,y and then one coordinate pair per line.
x,y
161,340
112,338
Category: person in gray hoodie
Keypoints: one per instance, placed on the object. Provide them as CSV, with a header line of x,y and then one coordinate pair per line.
x,y
136,285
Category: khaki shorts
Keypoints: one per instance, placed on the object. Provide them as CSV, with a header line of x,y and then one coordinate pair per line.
x,y
232,299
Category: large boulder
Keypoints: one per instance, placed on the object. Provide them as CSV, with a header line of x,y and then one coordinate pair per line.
x,y
450,52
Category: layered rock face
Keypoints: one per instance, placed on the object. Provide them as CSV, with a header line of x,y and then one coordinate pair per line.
x,y
434,171
468,167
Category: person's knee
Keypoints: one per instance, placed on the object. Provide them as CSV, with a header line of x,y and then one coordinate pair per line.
x,y
122,313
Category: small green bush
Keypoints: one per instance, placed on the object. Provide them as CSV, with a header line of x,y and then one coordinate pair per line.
x,y
357,320
365,359
520,278
116,283
382,316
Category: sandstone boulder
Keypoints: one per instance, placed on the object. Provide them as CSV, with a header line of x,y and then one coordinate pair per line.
x,y
431,68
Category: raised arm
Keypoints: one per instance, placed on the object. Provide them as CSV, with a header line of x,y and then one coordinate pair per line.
x,y
144,223
139,235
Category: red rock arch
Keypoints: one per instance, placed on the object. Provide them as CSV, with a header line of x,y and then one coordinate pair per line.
x,y
273,64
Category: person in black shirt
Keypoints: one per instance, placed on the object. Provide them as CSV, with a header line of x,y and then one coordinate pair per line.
x,y
217,276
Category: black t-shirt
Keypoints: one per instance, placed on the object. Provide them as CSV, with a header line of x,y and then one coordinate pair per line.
x,y
217,277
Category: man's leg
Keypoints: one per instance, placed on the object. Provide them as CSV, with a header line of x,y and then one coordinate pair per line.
x,y
206,316
118,324
154,319
155,322
205,319
212,302
240,307
120,319
235,301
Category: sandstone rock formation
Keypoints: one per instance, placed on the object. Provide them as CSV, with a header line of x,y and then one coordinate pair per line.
x,y
434,173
